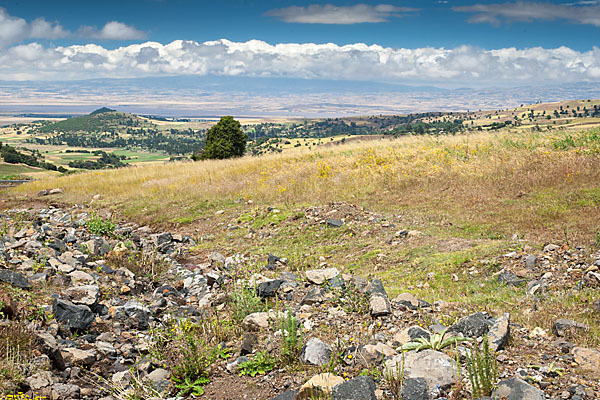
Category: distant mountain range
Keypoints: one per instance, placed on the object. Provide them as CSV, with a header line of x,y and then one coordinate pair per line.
x,y
210,96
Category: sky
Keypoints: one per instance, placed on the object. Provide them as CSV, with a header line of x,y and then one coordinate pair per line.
x,y
441,43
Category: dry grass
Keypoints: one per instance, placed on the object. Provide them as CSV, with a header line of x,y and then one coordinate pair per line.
x,y
509,183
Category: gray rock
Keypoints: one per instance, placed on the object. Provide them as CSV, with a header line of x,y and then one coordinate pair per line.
x,y
249,341
562,327
510,279
407,300
74,316
40,380
359,388
517,389
87,295
499,333
474,325
79,357
376,288
65,391
320,276
289,395
531,261
135,314
415,389
314,295
335,223
379,306
268,288
256,321
159,374
411,333
50,347
435,367
234,365
315,352
14,278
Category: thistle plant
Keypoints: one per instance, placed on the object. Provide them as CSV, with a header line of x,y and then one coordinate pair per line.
x,y
435,342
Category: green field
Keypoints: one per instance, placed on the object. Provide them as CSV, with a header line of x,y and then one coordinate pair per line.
x,y
16,169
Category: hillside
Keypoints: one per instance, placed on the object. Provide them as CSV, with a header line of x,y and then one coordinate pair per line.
x,y
366,245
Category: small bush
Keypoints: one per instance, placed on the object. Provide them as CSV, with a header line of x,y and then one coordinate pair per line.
x,y
260,364
482,368
100,226
141,263
245,301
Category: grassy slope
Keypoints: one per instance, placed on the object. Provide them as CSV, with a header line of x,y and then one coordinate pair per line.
x,y
467,195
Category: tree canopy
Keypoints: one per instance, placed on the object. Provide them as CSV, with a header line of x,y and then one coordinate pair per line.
x,y
224,140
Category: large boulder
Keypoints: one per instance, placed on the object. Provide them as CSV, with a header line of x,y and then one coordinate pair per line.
x,y
14,278
438,369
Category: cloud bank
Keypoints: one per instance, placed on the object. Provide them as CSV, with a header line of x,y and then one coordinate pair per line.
x,y
583,12
342,15
463,65
17,30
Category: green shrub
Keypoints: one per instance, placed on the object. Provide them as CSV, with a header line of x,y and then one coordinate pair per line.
x,y
100,226
245,301
260,364
482,368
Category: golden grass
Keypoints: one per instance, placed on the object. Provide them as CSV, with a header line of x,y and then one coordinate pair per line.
x,y
509,183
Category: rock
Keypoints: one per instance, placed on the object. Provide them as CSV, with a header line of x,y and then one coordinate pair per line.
x,y
50,347
320,276
379,306
65,391
499,333
249,341
510,279
87,295
8,307
335,223
411,333
135,315
415,389
234,365
14,278
376,288
370,355
314,295
587,358
551,247
268,288
315,352
407,300
289,395
158,375
256,321
517,389
592,278
359,388
79,357
564,327
435,367
319,386
73,316
474,325
531,261
78,277
40,380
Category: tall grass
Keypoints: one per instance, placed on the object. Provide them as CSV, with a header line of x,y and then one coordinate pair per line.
x,y
518,183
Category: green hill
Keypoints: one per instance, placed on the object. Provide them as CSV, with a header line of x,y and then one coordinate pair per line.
x,y
102,120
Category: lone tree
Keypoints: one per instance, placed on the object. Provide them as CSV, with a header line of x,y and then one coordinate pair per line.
x,y
224,140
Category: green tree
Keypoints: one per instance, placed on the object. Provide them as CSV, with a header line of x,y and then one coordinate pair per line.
x,y
224,140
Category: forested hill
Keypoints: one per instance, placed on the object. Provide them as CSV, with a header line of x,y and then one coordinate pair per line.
x,y
102,120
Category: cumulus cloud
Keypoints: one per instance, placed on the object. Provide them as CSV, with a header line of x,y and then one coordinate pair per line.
x,y
15,30
343,15
113,30
254,58
583,12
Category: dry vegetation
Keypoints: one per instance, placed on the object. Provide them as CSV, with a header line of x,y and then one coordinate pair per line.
x,y
533,184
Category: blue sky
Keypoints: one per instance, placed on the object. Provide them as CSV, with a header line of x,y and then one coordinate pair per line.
x,y
446,42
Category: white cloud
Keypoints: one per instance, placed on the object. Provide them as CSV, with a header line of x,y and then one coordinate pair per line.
x,y
343,15
583,12
463,65
15,30
113,30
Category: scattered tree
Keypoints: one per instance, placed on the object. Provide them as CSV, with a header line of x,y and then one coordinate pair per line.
x,y
224,140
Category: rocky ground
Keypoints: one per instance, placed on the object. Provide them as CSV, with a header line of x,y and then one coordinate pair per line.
x,y
93,310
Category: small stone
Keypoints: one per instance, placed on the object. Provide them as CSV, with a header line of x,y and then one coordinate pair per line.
x,y
531,261
269,288
562,327
74,316
359,388
87,294
40,380
249,341
79,357
474,325
379,306
517,389
256,321
335,223
415,389
408,300
313,296
158,375
319,385
315,352
320,276
587,358
499,333
80,277
288,395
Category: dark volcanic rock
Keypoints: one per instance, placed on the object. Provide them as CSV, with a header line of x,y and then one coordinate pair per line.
x,y
359,388
473,326
14,278
268,288
74,316
415,389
